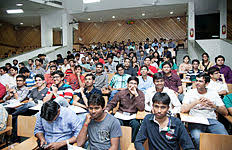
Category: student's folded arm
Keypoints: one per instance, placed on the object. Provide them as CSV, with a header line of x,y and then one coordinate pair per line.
x,y
82,137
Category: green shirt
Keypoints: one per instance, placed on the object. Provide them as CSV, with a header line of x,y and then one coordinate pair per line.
x,y
119,81
174,67
228,100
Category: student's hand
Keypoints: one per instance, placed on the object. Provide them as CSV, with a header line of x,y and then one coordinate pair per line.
x,y
82,90
208,103
54,88
88,119
54,146
133,91
42,142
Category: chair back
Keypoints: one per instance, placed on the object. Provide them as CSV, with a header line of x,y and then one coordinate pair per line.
x,y
26,126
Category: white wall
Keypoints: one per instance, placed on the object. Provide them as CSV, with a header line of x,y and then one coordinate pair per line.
x,y
51,53
215,47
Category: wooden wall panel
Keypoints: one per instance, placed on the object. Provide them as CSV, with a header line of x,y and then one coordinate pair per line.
x,y
229,24
7,34
139,31
57,37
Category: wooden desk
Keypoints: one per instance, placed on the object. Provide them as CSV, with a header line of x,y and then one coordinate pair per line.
x,y
28,144
141,115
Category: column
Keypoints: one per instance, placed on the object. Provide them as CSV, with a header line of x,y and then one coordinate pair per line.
x,y
191,21
223,18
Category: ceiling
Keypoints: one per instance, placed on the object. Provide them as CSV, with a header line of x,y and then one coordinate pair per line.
x,y
31,15
157,11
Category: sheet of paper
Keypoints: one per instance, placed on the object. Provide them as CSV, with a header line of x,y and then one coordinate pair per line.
x,y
124,117
13,104
193,119
37,107
77,109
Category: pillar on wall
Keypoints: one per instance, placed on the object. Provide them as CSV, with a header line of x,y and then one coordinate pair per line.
x,y
46,32
67,30
223,18
191,21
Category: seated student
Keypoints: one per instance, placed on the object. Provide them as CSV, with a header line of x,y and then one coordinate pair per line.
x,y
13,74
59,91
84,65
145,81
101,129
5,77
76,79
166,52
215,83
162,130
55,125
48,76
18,92
2,91
152,70
81,96
37,94
191,74
65,66
101,78
228,102
110,64
205,64
204,102
131,100
185,66
128,69
158,80
38,67
169,59
118,82
172,80
30,77
220,60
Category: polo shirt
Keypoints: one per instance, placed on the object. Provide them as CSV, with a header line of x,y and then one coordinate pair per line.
x,y
227,73
131,71
64,90
169,138
172,82
228,100
101,81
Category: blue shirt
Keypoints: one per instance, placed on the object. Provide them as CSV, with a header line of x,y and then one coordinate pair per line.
x,y
145,84
66,125
30,81
166,139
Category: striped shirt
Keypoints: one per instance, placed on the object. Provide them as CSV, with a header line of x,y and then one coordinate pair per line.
x,y
30,81
119,81
64,91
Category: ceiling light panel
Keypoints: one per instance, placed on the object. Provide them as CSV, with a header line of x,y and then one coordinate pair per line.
x,y
14,11
19,4
90,1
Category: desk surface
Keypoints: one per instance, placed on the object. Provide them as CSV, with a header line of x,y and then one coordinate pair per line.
x,y
28,144
141,114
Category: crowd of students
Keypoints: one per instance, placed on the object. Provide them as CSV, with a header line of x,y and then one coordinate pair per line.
x,y
145,78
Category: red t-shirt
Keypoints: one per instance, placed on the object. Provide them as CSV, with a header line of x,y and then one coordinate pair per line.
x,y
101,61
152,68
73,81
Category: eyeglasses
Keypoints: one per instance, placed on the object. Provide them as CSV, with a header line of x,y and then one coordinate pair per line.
x,y
19,80
55,77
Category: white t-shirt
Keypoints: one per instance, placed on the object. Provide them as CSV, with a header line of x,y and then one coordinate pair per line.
x,y
199,110
174,106
218,86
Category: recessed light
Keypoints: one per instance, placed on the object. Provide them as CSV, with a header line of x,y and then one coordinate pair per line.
x,y
14,11
143,14
19,4
21,23
88,18
171,12
113,17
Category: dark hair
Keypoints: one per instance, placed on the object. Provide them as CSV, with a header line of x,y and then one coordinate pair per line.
x,y
78,66
167,63
147,57
205,54
15,68
40,60
212,70
133,78
15,60
31,60
96,99
4,68
143,67
157,76
90,74
219,56
99,64
165,47
161,97
21,63
95,59
8,64
77,55
186,56
205,76
53,66
49,110
21,76
60,73
39,76
119,66
59,55
24,70
196,60
110,56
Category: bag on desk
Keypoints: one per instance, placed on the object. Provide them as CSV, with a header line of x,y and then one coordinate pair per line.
x,y
3,118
